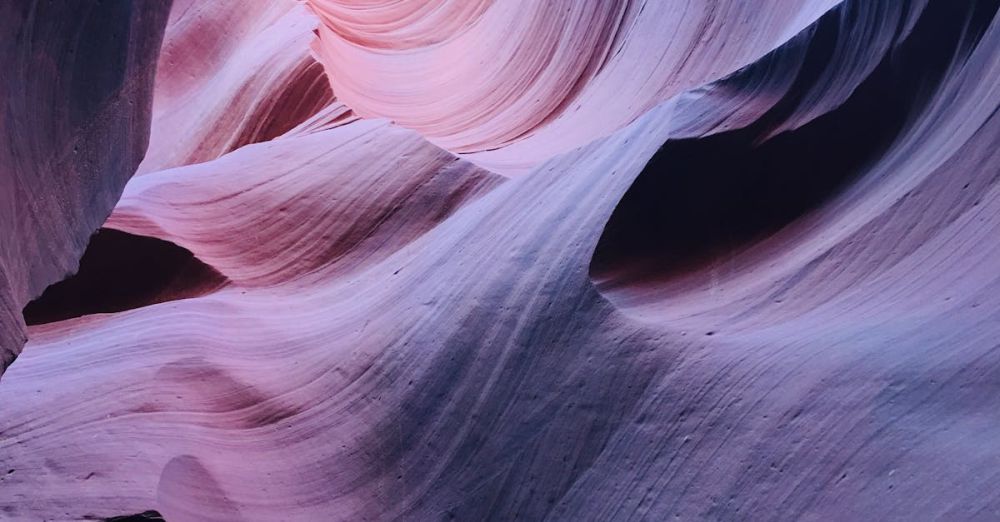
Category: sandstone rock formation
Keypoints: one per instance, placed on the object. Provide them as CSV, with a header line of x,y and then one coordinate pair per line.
x,y
74,122
528,260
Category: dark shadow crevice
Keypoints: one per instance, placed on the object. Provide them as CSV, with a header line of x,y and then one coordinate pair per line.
x,y
145,516
701,200
121,271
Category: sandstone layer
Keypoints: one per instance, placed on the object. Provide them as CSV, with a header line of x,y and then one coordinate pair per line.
x,y
518,260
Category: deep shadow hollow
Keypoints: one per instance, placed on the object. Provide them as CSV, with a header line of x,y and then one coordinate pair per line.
x,y
145,516
121,271
702,200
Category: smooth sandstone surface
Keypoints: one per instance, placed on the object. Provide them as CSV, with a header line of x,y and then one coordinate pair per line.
x,y
537,261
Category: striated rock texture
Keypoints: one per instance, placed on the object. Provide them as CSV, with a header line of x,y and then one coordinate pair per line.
x,y
234,72
74,122
522,260
512,83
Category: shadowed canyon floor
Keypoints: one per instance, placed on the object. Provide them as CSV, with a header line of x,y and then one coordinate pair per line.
x,y
500,260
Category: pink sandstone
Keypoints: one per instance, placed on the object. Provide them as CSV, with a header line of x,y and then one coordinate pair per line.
x,y
468,260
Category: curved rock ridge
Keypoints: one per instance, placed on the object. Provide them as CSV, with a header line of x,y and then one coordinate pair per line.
x,y
74,123
319,203
513,83
755,275
232,73
394,25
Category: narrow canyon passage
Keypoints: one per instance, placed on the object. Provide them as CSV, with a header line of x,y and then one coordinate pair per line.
x,y
500,260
